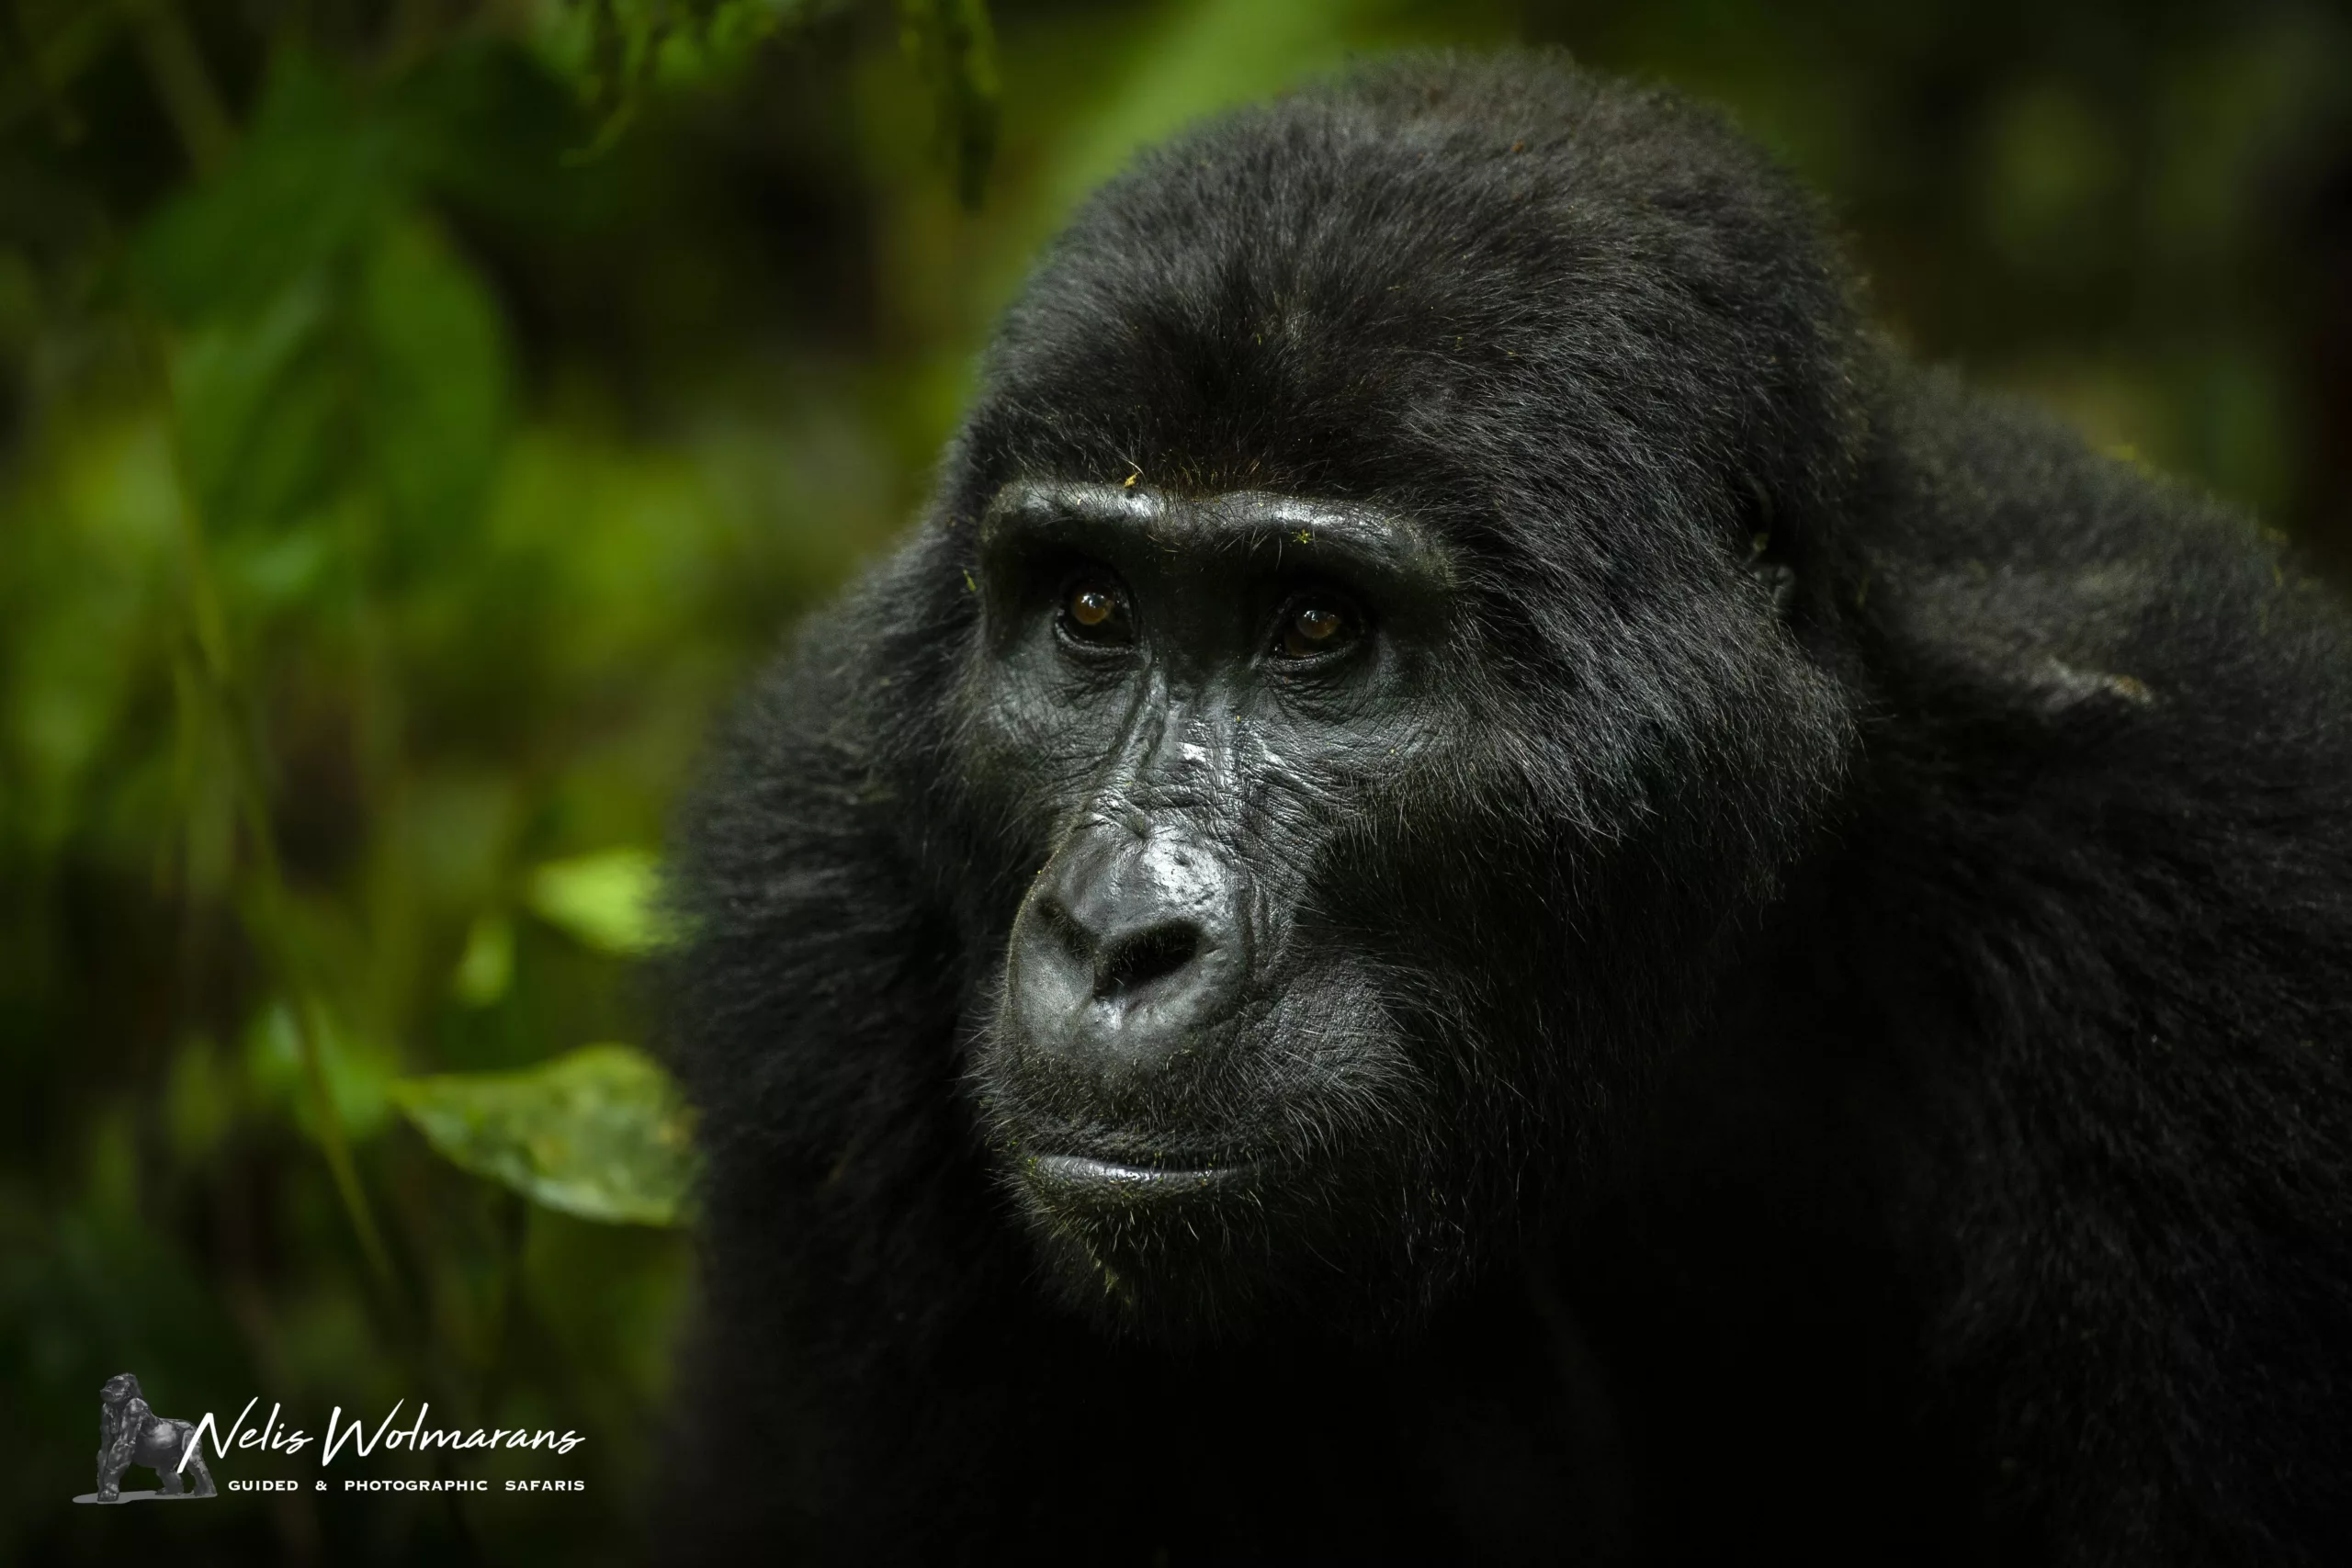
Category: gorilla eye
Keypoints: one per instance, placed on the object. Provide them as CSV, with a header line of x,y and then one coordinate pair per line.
x,y
1094,610
1316,626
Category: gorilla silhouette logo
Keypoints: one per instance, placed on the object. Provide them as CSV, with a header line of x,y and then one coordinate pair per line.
x,y
130,1433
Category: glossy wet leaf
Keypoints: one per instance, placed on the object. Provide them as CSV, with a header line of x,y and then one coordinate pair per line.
x,y
601,1132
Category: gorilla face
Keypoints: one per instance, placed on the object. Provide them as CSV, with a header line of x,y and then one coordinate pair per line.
x,y
1343,832
1329,946
1222,1074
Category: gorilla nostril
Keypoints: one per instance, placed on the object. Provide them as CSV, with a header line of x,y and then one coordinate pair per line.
x,y
1133,962
1067,934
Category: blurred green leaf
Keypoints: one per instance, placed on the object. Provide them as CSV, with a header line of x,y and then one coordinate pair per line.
x,y
260,424
333,350
358,1070
311,174
486,968
613,51
601,1132
436,385
85,604
607,900
385,379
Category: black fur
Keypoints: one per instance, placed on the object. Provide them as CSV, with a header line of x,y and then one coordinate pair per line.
x,y
1872,932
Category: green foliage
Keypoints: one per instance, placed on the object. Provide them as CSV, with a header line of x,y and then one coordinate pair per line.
x,y
607,900
954,46
616,50
335,365
600,1132
358,1072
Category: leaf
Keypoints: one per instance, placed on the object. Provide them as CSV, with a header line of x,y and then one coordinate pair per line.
x,y
335,355
385,378
614,51
91,525
607,900
601,1132
259,414
309,179
435,396
357,1068
486,969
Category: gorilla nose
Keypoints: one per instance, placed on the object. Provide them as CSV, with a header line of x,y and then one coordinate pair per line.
x,y
1127,950
1128,964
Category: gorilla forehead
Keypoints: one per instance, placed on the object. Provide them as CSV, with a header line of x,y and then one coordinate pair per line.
x,y
1414,280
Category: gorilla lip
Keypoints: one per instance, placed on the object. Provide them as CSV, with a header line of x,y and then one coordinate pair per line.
x,y
1066,1172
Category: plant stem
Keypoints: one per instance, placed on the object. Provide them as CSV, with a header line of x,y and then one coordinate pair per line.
x,y
267,927
176,69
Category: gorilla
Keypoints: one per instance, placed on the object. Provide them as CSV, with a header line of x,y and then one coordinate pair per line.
x,y
1487,889
131,1433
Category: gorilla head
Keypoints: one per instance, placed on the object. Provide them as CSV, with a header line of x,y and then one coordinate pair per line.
x,y
1381,687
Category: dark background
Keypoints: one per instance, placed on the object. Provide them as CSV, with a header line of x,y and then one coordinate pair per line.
x,y
417,417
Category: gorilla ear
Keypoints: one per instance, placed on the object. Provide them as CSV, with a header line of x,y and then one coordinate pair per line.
x,y
1765,563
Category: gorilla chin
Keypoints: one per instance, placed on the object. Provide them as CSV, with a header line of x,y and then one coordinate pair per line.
x,y
1170,1254
1192,1256
1266,1208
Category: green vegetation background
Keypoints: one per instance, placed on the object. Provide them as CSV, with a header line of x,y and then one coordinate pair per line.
x,y
417,417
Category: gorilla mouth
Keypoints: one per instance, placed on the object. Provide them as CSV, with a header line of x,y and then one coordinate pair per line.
x,y
1088,1176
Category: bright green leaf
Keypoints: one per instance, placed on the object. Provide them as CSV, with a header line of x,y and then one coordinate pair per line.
x,y
601,1132
607,900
